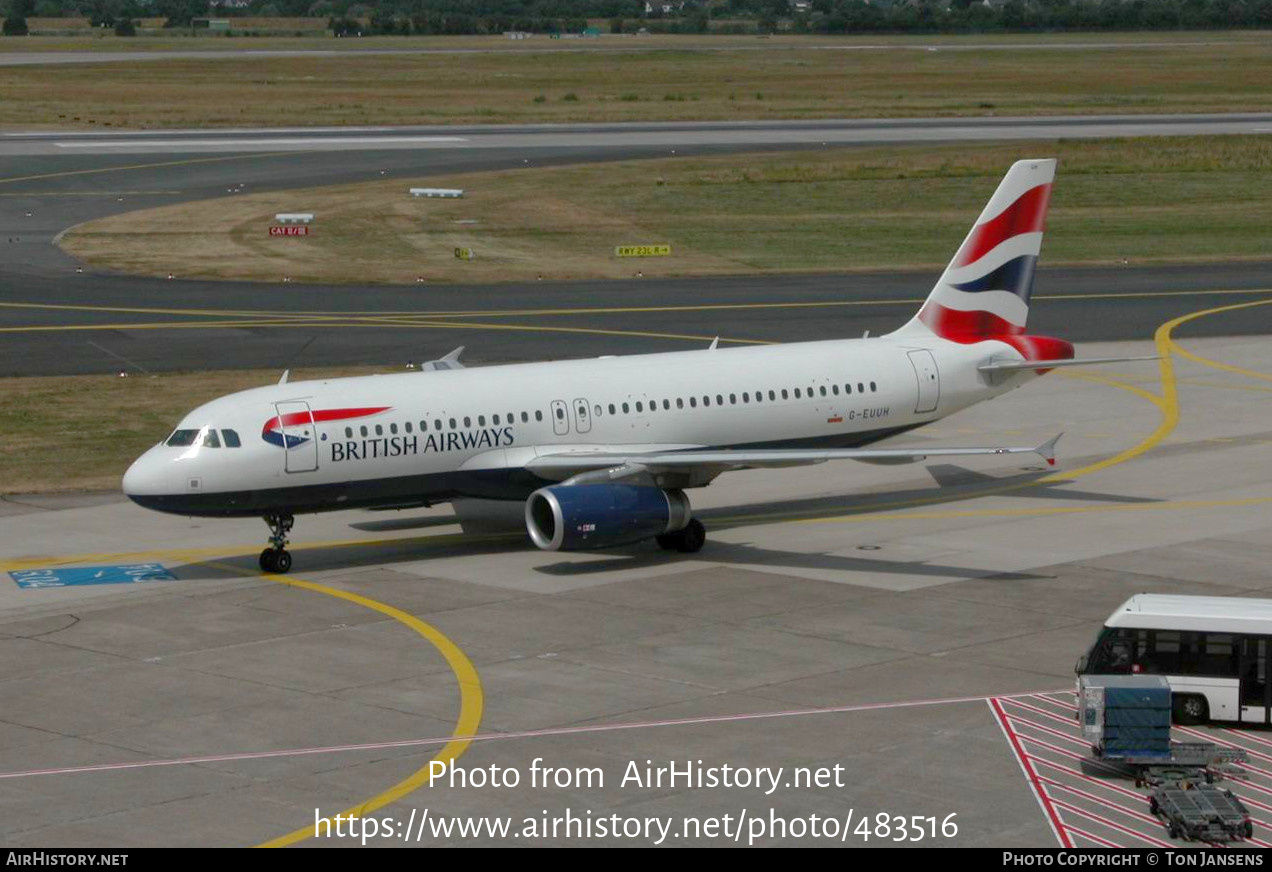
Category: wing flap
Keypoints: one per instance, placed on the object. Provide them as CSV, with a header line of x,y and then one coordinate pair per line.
x,y
566,464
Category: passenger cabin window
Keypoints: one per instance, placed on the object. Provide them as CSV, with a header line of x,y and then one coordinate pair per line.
x,y
231,438
393,429
363,429
872,387
538,414
481,420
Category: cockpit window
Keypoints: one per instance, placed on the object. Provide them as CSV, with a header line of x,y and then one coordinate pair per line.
x,y
182,438
211,440
231,438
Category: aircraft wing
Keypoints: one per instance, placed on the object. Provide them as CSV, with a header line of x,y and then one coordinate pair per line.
x,y
619,466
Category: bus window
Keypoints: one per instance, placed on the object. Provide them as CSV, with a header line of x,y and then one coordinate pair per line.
x,y
1112,654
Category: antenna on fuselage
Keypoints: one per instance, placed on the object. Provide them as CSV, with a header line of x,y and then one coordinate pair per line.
x,y
292,359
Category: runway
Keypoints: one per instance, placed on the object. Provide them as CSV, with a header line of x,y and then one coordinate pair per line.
x,y
736,135
624,45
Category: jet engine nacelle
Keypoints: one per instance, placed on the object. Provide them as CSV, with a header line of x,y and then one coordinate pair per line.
x,y
585,516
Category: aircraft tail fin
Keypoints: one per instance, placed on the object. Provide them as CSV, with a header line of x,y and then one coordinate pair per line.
x,y
984,291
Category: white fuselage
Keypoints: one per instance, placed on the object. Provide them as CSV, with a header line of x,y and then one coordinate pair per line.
x,y
419,437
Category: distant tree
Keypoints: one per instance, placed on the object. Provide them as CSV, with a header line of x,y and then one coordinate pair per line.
x,y
179,13
125,27
343,25
15,22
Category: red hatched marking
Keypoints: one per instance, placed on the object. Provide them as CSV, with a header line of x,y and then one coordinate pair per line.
x,y
1057,826
1111,824
1094,838
1037,739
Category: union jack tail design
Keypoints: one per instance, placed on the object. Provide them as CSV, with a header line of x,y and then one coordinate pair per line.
x,y
984,292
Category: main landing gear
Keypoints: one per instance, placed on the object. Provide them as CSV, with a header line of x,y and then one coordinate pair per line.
x,y
687,541
277,558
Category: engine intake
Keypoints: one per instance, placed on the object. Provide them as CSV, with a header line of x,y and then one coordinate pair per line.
x,y
585,516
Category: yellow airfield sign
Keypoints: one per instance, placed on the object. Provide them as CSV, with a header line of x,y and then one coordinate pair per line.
x,y
642,250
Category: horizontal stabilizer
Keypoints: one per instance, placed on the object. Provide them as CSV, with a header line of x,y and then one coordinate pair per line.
x,y
1012,365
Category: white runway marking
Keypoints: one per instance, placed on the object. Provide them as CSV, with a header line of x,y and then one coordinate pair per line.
x,y
524,734
262,143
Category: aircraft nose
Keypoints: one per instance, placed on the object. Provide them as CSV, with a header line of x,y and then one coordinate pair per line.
x,y
147,476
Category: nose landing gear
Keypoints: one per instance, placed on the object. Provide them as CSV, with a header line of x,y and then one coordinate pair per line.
x,y
277,558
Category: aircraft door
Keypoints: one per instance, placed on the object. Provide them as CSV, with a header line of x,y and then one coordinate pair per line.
x,y
582,417
560,418
299,436
929,380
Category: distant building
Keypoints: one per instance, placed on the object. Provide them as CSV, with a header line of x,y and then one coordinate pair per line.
x,y
665,7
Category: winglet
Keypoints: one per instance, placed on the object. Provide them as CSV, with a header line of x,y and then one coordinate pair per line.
x,y
453,357
1047,450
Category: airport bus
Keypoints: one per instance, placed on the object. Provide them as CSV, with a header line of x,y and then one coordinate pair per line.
x,y
1213,650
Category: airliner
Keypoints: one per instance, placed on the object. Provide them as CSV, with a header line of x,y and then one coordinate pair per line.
x,y
602,451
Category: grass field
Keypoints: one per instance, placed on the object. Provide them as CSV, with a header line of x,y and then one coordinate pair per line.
x,y
54,441
669,78
1139,201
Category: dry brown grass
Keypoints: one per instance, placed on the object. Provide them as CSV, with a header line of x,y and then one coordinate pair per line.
x,y
790,79
1145,200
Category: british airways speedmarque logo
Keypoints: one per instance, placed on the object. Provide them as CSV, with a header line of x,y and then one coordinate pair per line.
x,y
285,431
